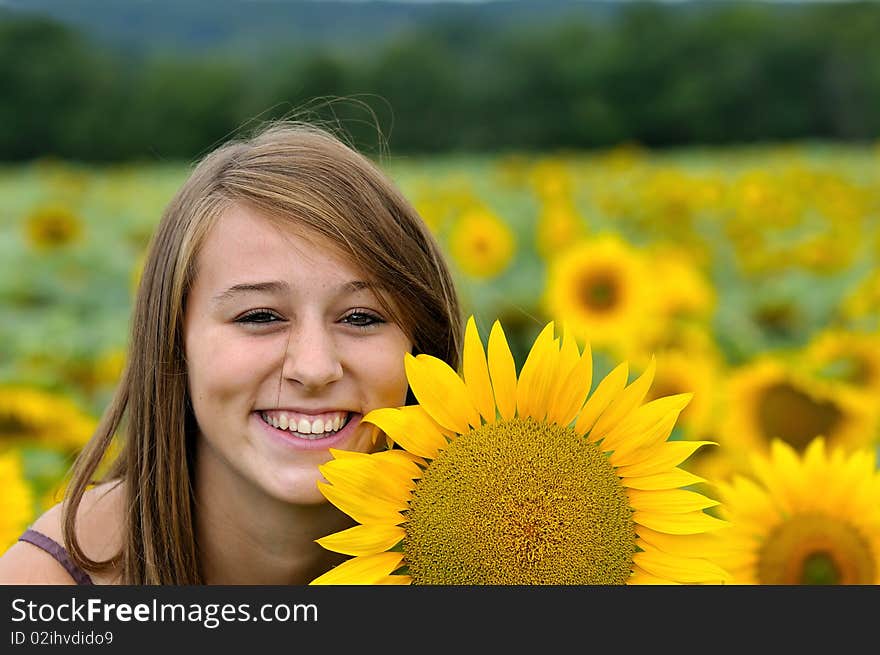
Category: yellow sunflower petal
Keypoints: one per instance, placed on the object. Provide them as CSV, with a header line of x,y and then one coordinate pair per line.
x,y
536,376
566,360
640,446
606,391
689,523
402,465
569,342
814,456
666,480
395,455
362,506
370,476
669,500
705,545
415,434
670,453
395,580
640,577
574,391
630,398
475,369
569,354
644,419
502,370
407,460
363,539
772,479
441,393
368,569
757,504
684,569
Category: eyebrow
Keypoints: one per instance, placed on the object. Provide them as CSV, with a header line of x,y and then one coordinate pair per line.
x,y
251,287
279,287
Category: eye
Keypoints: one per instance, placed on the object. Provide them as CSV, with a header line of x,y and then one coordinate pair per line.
x,y
258,316
362,318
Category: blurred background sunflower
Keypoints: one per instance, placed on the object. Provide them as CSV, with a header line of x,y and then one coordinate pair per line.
x,y
810,518
52,226
18,501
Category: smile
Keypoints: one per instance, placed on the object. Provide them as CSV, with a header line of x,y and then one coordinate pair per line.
x,y
311,427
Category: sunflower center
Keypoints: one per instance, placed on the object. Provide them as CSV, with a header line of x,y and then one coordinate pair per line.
x,y
850,369
54,230
520,502
815,549
599,291
787,413
778,320
13,425
480,245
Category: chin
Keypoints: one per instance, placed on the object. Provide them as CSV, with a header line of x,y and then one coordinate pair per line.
x,y
302,491
314,499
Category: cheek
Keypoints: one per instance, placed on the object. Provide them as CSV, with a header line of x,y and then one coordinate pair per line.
x,y
220,369
382,369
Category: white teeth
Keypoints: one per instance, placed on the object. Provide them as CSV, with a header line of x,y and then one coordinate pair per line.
x,y
304,428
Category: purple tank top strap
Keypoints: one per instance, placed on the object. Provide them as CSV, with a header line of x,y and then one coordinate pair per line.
x,y
57,551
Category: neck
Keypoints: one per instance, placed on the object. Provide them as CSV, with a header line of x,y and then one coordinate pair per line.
x,y
247,537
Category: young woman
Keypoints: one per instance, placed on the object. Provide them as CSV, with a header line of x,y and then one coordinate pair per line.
x,y
284,284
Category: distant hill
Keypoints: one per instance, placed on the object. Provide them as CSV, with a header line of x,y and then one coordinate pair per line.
x,y
143,26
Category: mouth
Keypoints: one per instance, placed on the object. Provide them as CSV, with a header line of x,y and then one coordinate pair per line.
x,y
308,427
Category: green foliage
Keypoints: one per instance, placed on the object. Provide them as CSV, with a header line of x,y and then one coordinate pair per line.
x,y
651,73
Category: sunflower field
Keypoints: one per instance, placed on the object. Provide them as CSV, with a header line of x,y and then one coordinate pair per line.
x,y
746,276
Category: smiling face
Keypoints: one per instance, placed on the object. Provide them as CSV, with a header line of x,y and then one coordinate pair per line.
x,y
287,348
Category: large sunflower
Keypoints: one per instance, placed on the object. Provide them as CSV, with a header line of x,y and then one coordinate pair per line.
x,y
528,480
812,518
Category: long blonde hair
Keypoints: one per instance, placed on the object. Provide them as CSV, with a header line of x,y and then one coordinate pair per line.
x,y
292,172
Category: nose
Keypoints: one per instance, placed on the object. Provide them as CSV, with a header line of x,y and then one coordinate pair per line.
x,y
312,358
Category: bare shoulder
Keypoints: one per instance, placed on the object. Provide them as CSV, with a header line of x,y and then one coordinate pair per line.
x,y
25,564
99,525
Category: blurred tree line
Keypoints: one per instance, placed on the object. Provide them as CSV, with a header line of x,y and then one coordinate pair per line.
x,y
734,73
